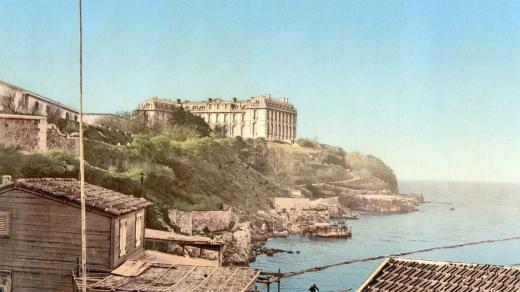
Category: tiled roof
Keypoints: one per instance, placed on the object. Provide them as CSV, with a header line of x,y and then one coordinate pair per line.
x,y
398,274
105,200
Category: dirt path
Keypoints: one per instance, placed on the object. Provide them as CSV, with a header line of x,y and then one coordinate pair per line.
x,y
354,177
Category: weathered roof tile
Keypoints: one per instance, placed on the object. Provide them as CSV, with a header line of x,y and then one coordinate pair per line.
x,y
399,274
99,198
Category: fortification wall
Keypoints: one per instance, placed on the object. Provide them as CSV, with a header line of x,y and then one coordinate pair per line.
x,y
58,141
33,134
181,219
198,221
211,220
25,133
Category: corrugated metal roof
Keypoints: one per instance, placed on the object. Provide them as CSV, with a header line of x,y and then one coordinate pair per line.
x,y
399,274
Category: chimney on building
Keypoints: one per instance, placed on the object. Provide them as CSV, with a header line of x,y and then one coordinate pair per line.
x,y
7,179
234,99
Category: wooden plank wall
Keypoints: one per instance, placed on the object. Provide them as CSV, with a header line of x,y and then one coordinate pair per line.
x,y
45,242
132,252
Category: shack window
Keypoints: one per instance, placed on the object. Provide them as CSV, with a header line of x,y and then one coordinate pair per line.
x,y
122,237
5,223
138,228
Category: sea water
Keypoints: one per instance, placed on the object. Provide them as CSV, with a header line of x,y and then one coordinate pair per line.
x,y
455,212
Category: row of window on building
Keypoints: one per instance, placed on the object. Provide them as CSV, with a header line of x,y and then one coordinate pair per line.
x,y
281,131
44,109
240,117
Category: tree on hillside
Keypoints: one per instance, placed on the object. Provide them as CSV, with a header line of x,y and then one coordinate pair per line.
x,y
183,118
9,104
131,122
220,131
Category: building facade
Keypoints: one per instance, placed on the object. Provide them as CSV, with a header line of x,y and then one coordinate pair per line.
x,y
16,100
261,116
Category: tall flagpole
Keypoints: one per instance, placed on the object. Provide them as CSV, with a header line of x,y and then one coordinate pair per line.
x,y
82,161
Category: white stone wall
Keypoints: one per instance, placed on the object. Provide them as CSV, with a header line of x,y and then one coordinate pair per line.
x,y
281,203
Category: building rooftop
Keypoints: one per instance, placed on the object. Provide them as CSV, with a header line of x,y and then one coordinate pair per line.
x,y
171,259
180,238
399,274
145,276
68,189
59,104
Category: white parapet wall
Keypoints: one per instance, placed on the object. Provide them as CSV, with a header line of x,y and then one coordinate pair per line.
x,y
281,203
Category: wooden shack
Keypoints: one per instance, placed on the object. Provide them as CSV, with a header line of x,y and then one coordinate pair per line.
x,y
40,234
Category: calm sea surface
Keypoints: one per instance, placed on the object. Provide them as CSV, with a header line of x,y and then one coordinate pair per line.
x,y
481,211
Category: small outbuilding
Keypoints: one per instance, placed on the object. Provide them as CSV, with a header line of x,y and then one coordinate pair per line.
x,y
40,232
40,244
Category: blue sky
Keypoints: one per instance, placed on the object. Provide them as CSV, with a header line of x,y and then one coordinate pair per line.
x,y
431,87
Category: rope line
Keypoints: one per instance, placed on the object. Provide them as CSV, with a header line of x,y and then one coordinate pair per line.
x,y
321,268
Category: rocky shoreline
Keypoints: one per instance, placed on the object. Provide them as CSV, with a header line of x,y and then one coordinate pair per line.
x,y
285,222
297,216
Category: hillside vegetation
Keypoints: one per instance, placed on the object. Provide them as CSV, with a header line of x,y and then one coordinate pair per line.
x,y
185,166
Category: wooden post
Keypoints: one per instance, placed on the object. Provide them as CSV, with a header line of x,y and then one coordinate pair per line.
x,y
279,276
268,286
82,161
142,184
220,255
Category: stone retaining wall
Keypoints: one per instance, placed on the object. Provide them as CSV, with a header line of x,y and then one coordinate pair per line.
x,y
25,133
58,141
33,134
199,221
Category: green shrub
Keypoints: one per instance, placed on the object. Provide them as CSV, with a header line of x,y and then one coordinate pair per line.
x,y
307,143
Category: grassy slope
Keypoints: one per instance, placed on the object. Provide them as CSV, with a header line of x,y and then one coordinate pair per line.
x,y
201,173
196,174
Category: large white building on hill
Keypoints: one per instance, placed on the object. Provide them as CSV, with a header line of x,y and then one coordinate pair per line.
x,y
261,116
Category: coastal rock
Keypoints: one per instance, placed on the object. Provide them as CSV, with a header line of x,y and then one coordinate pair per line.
x,y
237,250
381,201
